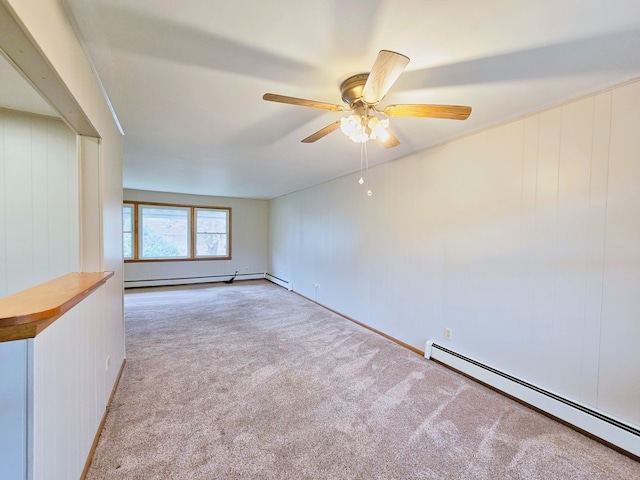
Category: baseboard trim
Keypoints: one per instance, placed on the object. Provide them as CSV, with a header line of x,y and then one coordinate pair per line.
x,y
94,445
364,325
576,428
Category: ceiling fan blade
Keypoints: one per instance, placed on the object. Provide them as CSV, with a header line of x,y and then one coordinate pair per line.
x,y
321,133
390,142
385,71
452,112
272,97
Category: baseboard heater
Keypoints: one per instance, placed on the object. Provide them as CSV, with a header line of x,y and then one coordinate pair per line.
x,y
279,281
166,282
614,431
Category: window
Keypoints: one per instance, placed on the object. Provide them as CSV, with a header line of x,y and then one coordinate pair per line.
x,y
211,232
164,232
127,231
175,232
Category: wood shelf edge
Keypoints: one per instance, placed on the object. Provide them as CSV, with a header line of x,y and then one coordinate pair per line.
x,y
27,313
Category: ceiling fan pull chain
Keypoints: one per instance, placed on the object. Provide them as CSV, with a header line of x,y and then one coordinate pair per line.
x,y
366,161
361,181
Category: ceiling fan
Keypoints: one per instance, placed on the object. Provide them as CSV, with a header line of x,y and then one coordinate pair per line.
x,y
362,93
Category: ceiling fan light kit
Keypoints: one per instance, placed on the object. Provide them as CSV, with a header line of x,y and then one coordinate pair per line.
x,y
362,93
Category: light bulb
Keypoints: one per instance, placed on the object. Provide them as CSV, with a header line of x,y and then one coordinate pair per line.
x,y
381,133
361,181
378,128
369,192
350,124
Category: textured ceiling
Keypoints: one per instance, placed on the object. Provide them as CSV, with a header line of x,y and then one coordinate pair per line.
x,y
186,78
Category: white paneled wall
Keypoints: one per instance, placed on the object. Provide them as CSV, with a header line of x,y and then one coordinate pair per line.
x,y
58,382
14,398
39,231
619,379
248,243
523,239
69,357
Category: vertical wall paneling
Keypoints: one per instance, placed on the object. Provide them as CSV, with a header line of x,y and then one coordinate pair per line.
x,y
18,226
542,245
91,202
38,212
13,411
523,239
3,215
40,200
67,390
619,379
62,199
527,261
595,244
49,43
570,256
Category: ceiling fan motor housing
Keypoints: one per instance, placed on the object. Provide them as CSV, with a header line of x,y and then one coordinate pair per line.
x,y
351,89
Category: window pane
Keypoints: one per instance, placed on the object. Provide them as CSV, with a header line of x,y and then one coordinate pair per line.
x,y
211,244
211,221
211,232
127,218
165,232
127,245
127,227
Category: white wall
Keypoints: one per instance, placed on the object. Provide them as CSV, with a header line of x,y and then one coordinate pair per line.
x,y
52,373
524,239
70,388
39,234
248,243
39,240
14,397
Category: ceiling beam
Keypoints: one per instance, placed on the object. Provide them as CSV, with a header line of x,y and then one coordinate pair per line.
x,y
28,59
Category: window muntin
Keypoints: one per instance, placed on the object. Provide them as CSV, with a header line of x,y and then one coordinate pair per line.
x,y
211,232
127,231
166,232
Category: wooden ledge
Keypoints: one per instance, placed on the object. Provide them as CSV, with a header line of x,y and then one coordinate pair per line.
x,y
27,313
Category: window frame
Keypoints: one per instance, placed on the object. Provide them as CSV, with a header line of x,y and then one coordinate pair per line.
x,y
132,231
183,214
196,232
137,227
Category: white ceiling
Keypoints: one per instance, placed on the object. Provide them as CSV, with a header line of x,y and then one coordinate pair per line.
x,y
186,78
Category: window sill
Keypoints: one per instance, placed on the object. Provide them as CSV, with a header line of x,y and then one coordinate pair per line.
x,y
199,259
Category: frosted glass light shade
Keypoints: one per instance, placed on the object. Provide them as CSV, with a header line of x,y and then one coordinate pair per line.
x,y
360,129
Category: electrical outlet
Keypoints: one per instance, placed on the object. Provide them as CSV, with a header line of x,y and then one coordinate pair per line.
x,y
108,362
448,333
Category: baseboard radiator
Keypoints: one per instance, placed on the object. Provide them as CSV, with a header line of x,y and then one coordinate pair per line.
x,y
611,430
279,281
165,282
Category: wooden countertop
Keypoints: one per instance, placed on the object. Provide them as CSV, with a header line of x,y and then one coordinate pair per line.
x,y
27,313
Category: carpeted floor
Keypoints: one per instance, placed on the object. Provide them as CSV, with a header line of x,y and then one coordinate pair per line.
x,y
250,381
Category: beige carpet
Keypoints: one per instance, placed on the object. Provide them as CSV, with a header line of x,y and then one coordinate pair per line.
x,y
249,381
